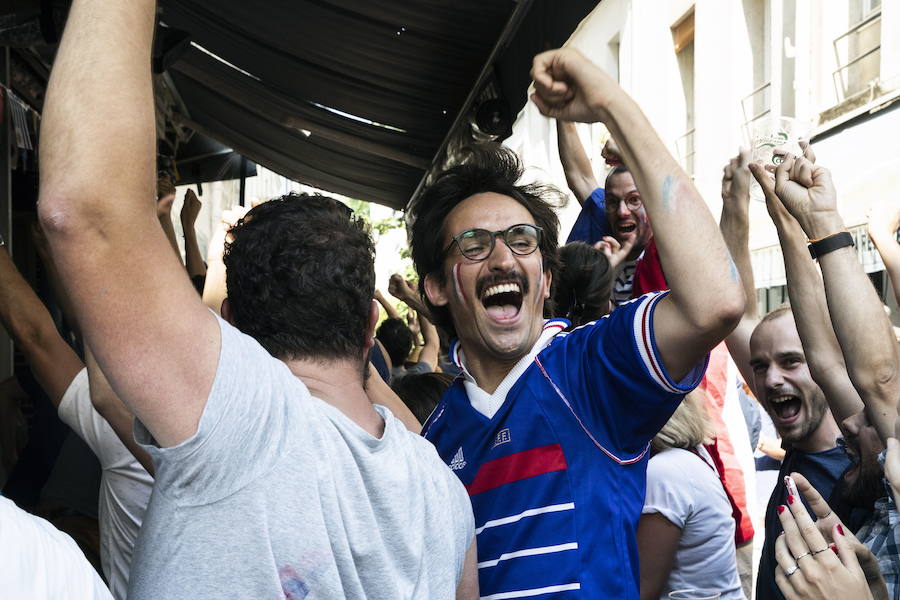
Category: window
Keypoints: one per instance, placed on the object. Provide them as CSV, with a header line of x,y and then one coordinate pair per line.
x,y
858,51
758,103
683,38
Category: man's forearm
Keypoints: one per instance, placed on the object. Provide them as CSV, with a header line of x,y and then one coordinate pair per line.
x,y
735,227
810,309
28,322
576,165
192,258
165,221
889,249
699,267
863,330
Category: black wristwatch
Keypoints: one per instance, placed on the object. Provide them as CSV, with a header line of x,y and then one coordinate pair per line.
x,y
829,244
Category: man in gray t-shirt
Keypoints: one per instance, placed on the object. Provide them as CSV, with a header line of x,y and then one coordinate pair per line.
x,y
283,492
276,476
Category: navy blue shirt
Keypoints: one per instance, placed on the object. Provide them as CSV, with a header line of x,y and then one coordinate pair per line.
x,y
822,470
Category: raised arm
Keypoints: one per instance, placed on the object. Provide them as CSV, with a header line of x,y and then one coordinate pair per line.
x,y
576,165
807,293
114,260
863,330
429,352
735,227
389,308
686,324
165,196
406,291
114,411
192,258
884,220
28,322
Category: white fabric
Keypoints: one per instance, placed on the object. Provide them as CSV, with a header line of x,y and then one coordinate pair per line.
x,y
39,562
125,485
686,490
488,404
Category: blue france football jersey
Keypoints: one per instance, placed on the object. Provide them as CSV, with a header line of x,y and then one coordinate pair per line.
x,y
557,476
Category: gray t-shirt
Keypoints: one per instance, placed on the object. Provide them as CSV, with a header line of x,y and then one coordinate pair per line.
x,y
280,495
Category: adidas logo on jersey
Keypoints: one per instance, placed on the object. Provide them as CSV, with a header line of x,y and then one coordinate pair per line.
x,y
458,461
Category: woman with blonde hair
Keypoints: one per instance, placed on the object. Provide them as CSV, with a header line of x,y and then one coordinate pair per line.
x,y
686,532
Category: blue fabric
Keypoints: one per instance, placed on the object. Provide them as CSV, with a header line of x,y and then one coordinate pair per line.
x,y
376,357
591,224
822,469
599,372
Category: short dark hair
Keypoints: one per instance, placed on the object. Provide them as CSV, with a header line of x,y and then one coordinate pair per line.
x,y
396,338
421,392
582,286
300,276
617,170
487,168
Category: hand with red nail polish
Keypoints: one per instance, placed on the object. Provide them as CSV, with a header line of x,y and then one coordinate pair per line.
x,y
849,571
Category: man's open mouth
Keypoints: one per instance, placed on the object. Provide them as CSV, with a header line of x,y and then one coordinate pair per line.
x,y
502,301
626,227
786,406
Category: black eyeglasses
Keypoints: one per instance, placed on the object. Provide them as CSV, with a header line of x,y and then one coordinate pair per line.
x,y
478,244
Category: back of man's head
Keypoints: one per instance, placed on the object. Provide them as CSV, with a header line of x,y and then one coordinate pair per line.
x,y
300,277
397,339
487,168
582,287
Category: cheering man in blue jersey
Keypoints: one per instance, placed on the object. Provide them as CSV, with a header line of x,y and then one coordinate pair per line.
x,y
549,431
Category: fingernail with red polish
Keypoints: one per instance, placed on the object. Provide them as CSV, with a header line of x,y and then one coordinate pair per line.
x,y
840,529
834,548
780,508
791,499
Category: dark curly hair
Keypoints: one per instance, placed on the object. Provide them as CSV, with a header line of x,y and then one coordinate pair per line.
x,y
397,339
487,168
583,285
300,276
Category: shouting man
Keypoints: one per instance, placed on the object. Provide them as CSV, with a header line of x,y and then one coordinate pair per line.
x,y
549,431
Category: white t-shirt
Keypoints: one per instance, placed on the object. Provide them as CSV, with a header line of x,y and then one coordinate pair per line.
x,y
39,562
125,485
685,489
279,494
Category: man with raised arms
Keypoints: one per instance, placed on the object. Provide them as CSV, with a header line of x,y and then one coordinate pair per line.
x,y
550,431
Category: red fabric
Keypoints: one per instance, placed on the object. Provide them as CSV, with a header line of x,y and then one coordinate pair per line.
x,y
516,467
648,273
716,383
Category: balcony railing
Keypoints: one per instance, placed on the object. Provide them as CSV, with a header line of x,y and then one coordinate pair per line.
x,y
858,54
685,147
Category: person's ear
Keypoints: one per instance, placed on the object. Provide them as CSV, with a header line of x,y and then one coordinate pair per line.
x,y
225,311
548,281
374,313
435,293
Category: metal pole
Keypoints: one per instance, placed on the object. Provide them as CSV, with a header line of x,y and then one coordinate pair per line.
x,y
241,200
6,346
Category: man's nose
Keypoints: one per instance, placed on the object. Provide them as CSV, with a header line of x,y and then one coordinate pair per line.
x,y
622,210
502,257
774,378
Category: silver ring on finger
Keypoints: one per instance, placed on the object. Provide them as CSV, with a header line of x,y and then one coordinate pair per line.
x,y
804,555
822,550
792,570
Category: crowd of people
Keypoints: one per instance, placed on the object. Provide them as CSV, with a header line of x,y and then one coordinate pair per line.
x,y
532,420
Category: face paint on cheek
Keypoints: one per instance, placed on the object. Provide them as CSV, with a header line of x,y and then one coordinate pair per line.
x,y
457,285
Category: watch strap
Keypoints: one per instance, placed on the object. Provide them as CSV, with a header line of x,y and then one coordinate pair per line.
x,y
831,243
